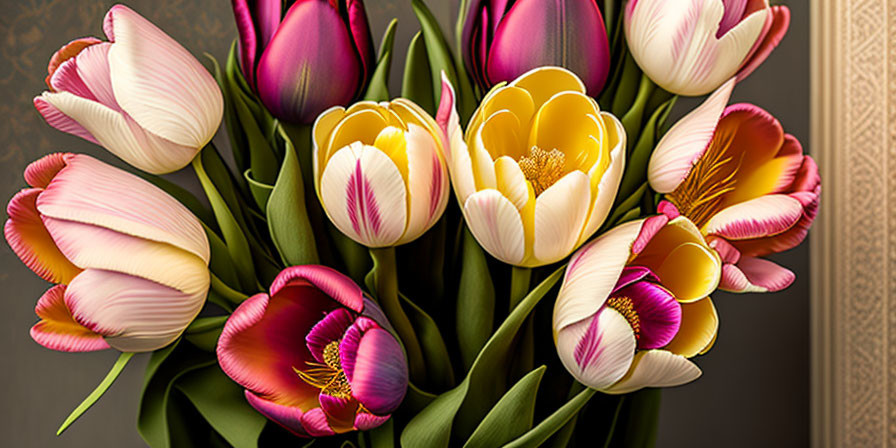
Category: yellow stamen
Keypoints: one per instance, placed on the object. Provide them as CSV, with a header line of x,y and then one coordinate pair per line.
x,y
702,191
627,309
329,377
542,168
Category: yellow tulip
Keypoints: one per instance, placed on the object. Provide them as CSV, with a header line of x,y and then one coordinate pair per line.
x,y
538,168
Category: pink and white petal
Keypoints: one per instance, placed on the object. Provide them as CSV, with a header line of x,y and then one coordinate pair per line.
x,y
656,368
67,52
159,83
592,275
315,423
58,330
427,183
511,181
92,192
755,275
364,195
92,247
608,185
460,167
40,172
780,17
289,417
380,373
659,314
331,282
483,164
32,243
497,225
134,314
686,141
365,421
263,341
597,351
56,118
330,329
699,326
757,218
727,252
560,214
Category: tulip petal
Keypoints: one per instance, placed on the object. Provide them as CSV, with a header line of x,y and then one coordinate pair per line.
x,y
248,43
427,183
58,330
134,314
497,225
365,421
659,314
608,185
289,417
686,141
62,122
780,17
67,52
565,123
380,375
592,275
315,423
597,351
333,283
761,217
39,173
560,213
691,272
544,82
755,275
365,196
159,83
360,31
656,368
340,411
699,326
30,240
329,329
511,181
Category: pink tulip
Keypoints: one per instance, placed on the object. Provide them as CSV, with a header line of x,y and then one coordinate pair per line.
x,y
691,47
744,182
315,58
130,261
501,42
315,355
140,95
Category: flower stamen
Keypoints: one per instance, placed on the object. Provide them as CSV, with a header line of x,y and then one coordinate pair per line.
x,y
626,308
542,168
329,376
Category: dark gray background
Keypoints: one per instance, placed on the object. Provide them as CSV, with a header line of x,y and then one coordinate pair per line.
x,y
755,386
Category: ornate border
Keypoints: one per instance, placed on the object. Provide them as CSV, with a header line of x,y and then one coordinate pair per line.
x,y
854,241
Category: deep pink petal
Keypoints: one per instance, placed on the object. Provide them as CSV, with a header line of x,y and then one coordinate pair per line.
x,y
659,314
330,329
365,421
58,330
360,31
755,275
351,341
734,13
632,274
330,281
288,417
380,376
727,252
341,411
315,423
649,229
39,173
780,16
248,40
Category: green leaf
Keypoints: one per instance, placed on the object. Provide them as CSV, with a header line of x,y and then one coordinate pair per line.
x,y
383,436
631,121
98,392
539,434
238,145
223,405
475,301
220,263
432,426
287,217
416,85
637,423
512,416
631,215
624,206
636,167
624,95
435,354
378,89
355,256
262,159
416,399
261,191
205,331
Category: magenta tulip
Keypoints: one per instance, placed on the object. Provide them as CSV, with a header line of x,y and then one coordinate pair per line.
x,y
315,355
318,56
501,42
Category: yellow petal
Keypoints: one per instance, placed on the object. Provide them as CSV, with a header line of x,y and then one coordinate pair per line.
x,y
699,326
544,82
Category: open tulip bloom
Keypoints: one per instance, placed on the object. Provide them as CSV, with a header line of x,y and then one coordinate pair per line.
x,y
328,287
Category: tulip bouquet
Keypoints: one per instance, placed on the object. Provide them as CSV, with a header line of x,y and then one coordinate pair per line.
x,y
518,249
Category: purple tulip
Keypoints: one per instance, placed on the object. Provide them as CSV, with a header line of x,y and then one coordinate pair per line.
x,y
319,55
501,42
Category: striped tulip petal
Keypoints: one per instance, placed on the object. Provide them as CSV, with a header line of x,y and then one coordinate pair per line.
x,y
58,330
656,368
427,182
365,421
364,195
379,375
41,172
755,275
761,217
560,214
774,33
29,239
597,351
496,224
699,326
133,314
315,422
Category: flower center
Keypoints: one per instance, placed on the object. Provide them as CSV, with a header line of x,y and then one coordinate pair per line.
x,y
542,168
713,176
625,307
329,376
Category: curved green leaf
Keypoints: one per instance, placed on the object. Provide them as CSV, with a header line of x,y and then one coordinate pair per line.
x,y
261,191
205,331
539,434
512,416
378,89
636,166
416,85
475,301
440,374
220,262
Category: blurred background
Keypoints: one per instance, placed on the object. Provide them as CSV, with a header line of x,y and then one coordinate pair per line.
x,y
755,386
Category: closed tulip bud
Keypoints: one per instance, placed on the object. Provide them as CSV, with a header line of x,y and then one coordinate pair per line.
x,y
140,95
379,171
320,54
130,261
501,42
691,47
315,355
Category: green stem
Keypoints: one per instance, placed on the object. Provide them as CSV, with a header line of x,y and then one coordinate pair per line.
x,y
98,392
519,285
524,358
385,280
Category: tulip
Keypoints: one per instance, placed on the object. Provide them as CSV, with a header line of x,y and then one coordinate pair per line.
x,y
691,47
744,182
130,262
140,95
634,306
538,169
501,42
315,355
315,58
379,171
